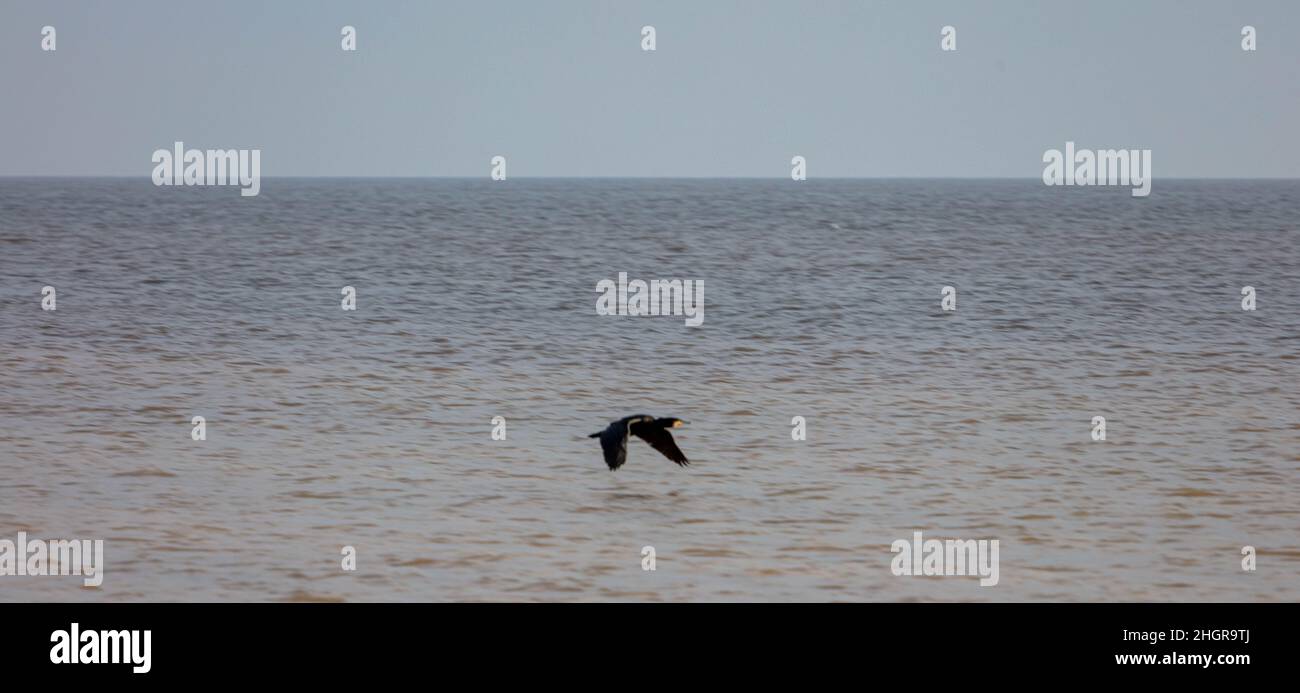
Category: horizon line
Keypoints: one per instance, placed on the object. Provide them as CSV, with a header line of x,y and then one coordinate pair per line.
x,y
508,179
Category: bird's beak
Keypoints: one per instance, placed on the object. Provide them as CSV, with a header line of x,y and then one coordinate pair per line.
x,y
678,423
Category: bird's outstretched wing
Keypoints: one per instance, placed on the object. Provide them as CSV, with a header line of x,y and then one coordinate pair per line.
x,y
613,440
661,440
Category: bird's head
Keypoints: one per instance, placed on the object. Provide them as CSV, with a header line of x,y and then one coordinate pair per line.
x,y
671,422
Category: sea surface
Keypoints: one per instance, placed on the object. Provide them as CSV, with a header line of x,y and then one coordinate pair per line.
x,y
476,299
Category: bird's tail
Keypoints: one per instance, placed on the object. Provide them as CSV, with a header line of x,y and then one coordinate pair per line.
x,y
594,435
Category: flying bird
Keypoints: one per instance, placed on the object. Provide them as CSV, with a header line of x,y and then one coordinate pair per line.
x,y
653,431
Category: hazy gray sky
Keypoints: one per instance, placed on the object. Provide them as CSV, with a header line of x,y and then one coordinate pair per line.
x,y
736,88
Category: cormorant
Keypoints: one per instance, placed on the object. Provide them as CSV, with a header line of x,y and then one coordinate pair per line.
x,y
653,431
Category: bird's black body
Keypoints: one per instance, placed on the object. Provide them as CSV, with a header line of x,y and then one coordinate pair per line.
x,y
613,440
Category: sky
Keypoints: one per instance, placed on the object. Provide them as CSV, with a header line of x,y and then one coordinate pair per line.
x,y
735,88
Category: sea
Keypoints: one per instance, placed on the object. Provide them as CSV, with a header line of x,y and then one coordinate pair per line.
x,y
367,435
